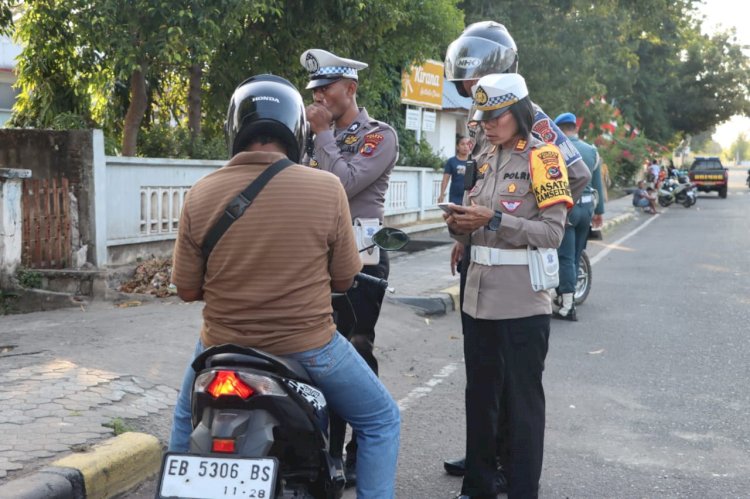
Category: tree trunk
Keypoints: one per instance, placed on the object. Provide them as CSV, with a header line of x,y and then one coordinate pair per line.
x,y
136,111
194,101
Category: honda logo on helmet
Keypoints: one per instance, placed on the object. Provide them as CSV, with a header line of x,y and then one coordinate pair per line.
x,y
468,62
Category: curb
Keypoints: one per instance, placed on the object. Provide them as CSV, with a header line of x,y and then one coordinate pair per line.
x,y
111,467
427,306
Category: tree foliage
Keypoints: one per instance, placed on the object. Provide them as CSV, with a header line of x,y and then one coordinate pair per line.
x,y
145,64
156,75
647,56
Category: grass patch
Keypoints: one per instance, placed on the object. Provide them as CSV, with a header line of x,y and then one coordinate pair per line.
x,y
118,426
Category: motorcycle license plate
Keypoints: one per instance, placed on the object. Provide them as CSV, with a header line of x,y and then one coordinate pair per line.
x,y
207,477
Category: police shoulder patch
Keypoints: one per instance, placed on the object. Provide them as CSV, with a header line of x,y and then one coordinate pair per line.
x,y
549,177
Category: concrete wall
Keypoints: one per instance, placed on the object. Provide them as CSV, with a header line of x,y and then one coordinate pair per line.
x,y
57,154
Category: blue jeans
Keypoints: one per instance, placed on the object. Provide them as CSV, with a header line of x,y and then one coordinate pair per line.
x,y
573,244
353,392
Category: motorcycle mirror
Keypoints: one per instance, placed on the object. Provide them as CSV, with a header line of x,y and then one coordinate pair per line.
x,y
390,239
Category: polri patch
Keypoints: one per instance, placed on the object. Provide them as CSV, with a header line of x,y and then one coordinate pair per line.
x,y
543,129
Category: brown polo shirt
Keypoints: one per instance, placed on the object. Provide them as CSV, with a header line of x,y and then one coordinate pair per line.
x,y
267,283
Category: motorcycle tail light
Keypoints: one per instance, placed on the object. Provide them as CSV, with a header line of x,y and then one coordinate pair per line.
x,y
224,383
227,384
225,445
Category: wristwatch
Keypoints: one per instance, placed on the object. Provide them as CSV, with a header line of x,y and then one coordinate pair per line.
x,y
494,223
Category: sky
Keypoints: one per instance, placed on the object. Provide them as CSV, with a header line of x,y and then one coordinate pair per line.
x,y
724,14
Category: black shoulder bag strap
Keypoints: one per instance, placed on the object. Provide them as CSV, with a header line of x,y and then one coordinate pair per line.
x,y
238,205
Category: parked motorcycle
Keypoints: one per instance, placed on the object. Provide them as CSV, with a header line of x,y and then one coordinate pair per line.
x,y
677,191
260,424
748,178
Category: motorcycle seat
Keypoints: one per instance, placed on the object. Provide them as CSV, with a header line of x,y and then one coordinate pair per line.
x,y
250,357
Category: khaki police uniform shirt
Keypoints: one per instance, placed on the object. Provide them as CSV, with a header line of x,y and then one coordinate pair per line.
x,y
544,129
267,283
504,291
362,156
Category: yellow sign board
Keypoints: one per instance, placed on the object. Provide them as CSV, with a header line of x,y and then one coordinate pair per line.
x,y
423,85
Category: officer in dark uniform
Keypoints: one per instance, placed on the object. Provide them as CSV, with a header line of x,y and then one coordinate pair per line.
x,y
362,152
587,211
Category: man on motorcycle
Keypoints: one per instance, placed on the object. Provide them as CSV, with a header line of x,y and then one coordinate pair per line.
x,y
587,212
267,281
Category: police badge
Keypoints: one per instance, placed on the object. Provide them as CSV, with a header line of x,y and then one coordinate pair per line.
x,y
480,96
311,63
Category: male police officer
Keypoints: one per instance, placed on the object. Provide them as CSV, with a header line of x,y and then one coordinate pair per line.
x,y
579,219
360,151
487,48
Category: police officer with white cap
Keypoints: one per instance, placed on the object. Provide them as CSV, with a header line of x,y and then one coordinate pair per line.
x,y
485,48
513,219
362,152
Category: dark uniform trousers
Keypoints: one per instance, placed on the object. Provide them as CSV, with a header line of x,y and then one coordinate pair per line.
x,y
502,427
366,302
504,365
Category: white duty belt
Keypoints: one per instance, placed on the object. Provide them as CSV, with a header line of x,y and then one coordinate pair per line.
x,y
484,255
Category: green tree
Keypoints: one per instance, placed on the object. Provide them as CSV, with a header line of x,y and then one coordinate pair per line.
x,y
181,59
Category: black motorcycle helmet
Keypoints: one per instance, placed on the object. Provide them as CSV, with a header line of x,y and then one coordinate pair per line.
x,y
483,48
266,105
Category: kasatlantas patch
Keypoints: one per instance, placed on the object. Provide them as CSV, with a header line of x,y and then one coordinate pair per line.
x,y
543,130
510,206
549,177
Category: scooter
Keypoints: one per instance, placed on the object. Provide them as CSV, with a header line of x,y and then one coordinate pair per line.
x,y
260,424
673,191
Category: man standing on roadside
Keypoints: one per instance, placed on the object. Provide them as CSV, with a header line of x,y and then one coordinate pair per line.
x,y
361,152
587,212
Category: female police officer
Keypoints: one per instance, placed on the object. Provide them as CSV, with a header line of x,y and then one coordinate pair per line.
x,y
518,204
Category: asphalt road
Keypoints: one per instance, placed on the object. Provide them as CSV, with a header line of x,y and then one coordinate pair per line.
x,y
646,395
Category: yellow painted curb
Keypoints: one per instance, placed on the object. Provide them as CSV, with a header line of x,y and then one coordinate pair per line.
x,y
117,464
453,291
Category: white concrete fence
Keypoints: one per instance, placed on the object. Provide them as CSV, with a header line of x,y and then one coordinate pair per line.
x,y
138,200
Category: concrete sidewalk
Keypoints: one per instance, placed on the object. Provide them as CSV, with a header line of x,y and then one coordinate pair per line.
x,y
68,383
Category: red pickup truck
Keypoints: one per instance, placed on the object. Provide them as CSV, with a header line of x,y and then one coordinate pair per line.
x,y
708,174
